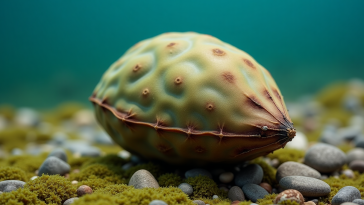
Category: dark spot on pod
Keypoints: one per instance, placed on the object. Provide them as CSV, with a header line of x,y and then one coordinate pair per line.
x,y
145,92
276,93
178,80
210,106
171,44
228,77
218,52
249,63
137,67
199,149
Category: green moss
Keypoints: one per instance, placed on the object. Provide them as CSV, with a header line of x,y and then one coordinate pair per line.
x,y
109,149
114,189
346,147
169,179
96,199
97,183
216,201
77,163
332,95
204,187
67,110
269,171
7,111
110,160
12,173
285,155
29,164
51,189
289,202
314,135
268,199
19,197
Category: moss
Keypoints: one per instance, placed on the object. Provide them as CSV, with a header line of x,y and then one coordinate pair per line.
x,y
346,147
67,110
332,95
96,199
77,163
109,149
216,201
269,171
314,135
114,189
268,199
7,111
285,155
154,169
339,114
289,202
97,183
108,160
51,189
19,197
169,179
29,164
204,187
12,173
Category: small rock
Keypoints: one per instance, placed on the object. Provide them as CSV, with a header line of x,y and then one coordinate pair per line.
x,y
346,194
358,201
26,117
16,152
59,153
1,192
236,194
196,172
142,179
315,201
325,158
215,197
309,187
186,188
299,142
296,169
355,154
274,162
84,118
254,192
124,154
226,177
235,202
103,138
251,174
309,203
70,201
11,185
348,173
289,194
74,182
157,202
84,189
198,202
349,203
266,186
33,177
357,165
53,165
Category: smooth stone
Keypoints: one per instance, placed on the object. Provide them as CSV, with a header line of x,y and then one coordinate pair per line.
x,y
198,202
289,194
251,174
236,194
349,203
226,177
53,165
143,179
59,153
124,154
70,201
358,201
16,152
348,173
59,138
186,188
315,201
308,186
299,142
359,142
357,165
325,158
84,189
296,169
329,135
215,197
309,203
11,184
196,172
266,186
346,194
157,202
355,154
103,138
254,192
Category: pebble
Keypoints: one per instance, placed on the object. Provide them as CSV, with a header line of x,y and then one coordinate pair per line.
x,y
355,154
1,192
357,165
299,142
358,201
84,118
84,189
59,138
254,192
309,203
325,158
143,179
308,186
348,173
346,194
33,177
11,185
74,182
53,165
198,202
215,197
266,186
296,169
186,188
124,154
59,153
251,174
26,117
70,201
359,141
196,172
103,138
236,194
349,203
226,177
16,152
289,194
157,202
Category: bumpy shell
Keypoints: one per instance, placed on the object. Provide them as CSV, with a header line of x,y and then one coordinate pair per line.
x,y
188,98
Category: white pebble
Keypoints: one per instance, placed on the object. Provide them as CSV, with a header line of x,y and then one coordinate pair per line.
x,y
33,177
124,154
215,197
74,182
226,177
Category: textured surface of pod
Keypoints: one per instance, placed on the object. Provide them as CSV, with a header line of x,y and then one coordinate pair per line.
x,y
191,98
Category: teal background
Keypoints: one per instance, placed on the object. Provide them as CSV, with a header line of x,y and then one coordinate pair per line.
x,y
55,51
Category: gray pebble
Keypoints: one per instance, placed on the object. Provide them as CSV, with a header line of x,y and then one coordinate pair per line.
x,y
12,184
143,179
236,194
296,169
186,188
59,153
346,194
198,202
215,197
16,152
196,172
309,187
70,201
357,165
53,165
358,201
251,174
254,192
349,173
325,158
157,202
355,154
349,203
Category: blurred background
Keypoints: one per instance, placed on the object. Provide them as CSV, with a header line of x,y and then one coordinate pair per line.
x,y
56,51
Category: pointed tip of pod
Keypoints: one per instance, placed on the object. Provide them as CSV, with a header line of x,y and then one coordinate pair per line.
x,y
291,132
